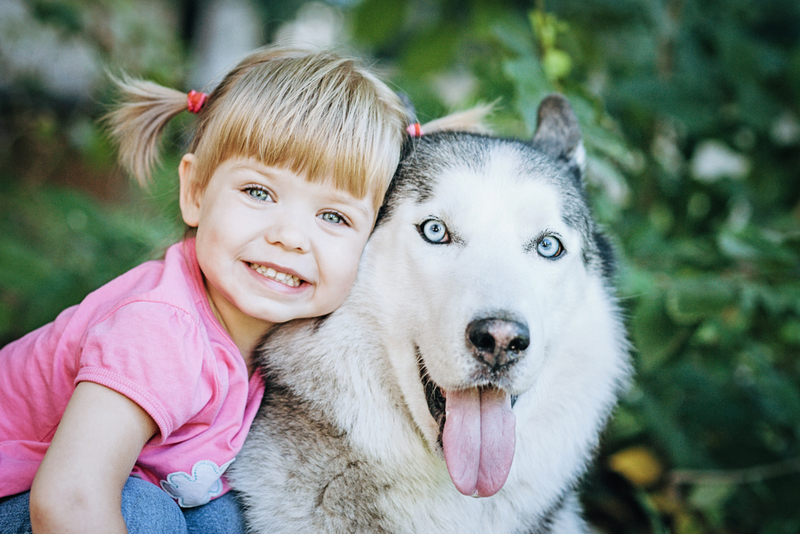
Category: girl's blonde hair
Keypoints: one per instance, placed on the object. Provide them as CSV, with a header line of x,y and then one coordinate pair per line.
x,y
315,113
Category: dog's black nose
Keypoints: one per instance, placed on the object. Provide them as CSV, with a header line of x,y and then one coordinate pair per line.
x,y
497,342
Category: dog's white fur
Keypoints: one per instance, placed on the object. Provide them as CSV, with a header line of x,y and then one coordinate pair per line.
x,y
346,442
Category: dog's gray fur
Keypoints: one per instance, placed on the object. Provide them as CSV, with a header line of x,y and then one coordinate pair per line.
x,y
346,441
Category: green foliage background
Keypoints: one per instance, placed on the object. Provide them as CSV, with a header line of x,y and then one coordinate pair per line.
x,y
708,438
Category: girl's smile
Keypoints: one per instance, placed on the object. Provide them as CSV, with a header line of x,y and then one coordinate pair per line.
x,y
278,275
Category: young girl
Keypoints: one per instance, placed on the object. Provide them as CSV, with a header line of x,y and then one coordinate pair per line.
x,y
128,408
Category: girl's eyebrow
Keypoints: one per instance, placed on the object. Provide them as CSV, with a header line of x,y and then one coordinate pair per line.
x,y
257,168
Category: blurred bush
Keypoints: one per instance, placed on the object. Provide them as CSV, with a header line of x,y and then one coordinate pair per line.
x,y
691,117
69,220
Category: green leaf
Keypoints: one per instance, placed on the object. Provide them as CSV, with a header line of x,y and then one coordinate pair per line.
x,y
531,86
378,21
654,335
418,58
790,332
690,300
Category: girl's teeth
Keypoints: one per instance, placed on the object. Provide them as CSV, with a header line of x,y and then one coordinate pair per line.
x,y
269,272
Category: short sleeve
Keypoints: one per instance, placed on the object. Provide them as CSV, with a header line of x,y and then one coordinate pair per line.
x,y
154,354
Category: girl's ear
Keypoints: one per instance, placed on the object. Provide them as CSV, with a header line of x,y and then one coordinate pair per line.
x,y
190,197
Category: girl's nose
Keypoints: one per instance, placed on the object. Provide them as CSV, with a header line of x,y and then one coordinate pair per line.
x,y
289,234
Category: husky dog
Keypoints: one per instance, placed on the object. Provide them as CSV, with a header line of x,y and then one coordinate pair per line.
x,y
479,354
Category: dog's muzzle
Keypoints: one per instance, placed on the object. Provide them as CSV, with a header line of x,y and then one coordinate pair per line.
x,y
479,446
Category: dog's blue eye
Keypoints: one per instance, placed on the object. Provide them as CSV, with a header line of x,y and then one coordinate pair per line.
x,y
434,231
550,247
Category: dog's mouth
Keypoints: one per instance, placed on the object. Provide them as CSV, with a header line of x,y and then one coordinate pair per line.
x,y
476,433
434,395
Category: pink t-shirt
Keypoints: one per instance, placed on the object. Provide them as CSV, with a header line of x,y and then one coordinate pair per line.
x,y
150,335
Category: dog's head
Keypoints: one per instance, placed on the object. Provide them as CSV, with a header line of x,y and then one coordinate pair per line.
x,y
490,266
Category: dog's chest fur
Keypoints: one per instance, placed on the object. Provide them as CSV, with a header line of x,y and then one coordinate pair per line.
x,y
363,470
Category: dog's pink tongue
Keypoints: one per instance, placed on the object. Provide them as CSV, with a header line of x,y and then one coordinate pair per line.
x,y
478,440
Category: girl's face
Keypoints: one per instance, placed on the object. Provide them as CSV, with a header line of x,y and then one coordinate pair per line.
x,y
273,246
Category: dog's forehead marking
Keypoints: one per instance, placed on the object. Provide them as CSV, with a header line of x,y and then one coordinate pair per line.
x,y
433,156
498,193
505,183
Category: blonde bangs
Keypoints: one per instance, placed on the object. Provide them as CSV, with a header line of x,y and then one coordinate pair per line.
x,y
318,115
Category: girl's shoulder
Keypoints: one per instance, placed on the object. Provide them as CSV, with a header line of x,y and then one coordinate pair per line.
x,y
174,281
151,297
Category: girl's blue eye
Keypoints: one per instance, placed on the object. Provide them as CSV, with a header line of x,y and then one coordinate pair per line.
x,y
434,231
550,247
332,217
259,194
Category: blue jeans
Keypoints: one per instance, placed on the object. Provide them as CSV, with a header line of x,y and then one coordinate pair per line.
x,y
146,510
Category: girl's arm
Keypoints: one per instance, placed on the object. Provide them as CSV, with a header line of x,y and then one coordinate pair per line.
x,y
78,486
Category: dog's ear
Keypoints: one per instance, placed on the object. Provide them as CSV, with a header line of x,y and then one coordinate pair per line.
x,y
558,133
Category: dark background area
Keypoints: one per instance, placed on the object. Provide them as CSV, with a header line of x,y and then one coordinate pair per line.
x,y
691,116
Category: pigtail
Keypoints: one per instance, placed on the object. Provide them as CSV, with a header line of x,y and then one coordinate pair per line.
x,y
138,120
470,120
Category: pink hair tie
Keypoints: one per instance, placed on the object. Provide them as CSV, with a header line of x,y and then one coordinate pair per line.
x,y
414,130
196,100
